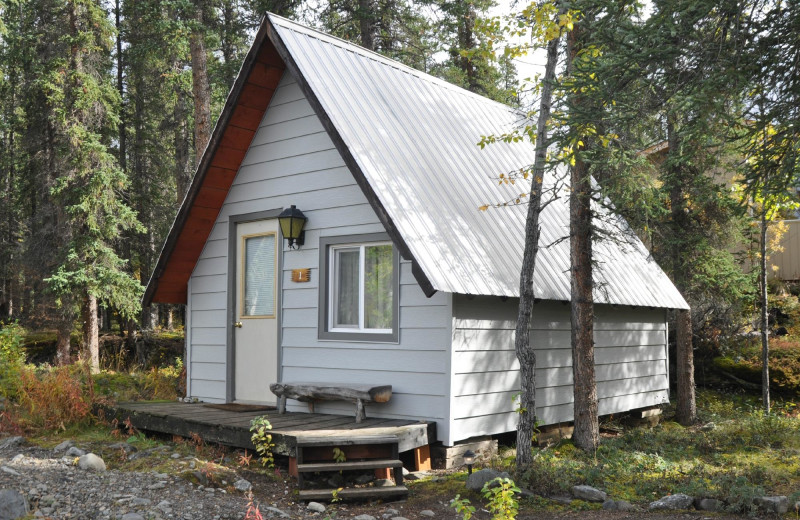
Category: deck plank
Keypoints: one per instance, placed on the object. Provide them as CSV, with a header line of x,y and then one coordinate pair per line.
x,y
233,428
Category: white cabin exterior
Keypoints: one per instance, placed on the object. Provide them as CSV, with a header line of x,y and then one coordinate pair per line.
x,y
449,356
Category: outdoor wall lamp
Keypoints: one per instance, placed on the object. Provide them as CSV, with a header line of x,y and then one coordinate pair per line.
x,y
469,460
292,222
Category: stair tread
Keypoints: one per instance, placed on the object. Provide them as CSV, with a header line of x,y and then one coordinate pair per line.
x,y
349,465
312,441
367,492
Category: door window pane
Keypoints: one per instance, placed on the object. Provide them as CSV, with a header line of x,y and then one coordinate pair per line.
x,y
378,287
259,276
346,281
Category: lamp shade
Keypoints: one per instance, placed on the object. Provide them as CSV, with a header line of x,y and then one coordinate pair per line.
x,y
292,222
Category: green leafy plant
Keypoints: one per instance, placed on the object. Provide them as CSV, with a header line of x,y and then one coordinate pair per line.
x,y
502,500
262,440
501,494
463,507
339,455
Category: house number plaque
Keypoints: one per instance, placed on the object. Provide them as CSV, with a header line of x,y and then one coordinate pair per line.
x,y
301,275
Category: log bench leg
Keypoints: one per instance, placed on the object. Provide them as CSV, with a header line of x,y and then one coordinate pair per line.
x,y
360,412
282,404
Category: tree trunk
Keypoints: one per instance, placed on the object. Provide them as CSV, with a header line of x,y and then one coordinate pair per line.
x,y
200,88
170,325
63,347
764,297
130,335
587,430
183,174
91,340
366,23
525,353
686,410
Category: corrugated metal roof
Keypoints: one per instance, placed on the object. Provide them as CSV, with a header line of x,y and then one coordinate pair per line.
x,y
415,138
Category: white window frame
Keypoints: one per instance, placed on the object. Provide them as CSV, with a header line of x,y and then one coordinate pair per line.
x,y
331,303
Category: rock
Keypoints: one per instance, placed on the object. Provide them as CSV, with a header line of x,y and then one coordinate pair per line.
x,y
561,499
428,513
157,485
708,504
416,475
477,480
18,457
776,504
132,516
384,482
124,446
392,512
165,506
708,427
75,452
136,501
405,472
364,479
64,446
92,462
336,481
278,512
175,456
364,517
12,442
10,471
315,507
672,502
797,507
618,505
12,504
242,485
399,518
589,494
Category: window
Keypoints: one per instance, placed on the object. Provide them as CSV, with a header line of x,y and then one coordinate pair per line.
x,y
360,285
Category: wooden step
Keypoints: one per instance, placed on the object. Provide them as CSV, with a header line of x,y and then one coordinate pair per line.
x,y
309,442
355,493
349,465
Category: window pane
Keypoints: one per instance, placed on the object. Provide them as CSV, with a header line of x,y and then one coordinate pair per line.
x,y
378,287
259,277
345,288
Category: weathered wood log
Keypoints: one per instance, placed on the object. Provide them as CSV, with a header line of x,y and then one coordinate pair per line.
x,y
310,392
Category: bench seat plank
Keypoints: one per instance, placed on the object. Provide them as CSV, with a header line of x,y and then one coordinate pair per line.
x,y
310,392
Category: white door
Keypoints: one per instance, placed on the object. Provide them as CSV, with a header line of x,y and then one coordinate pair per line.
x,y
256,326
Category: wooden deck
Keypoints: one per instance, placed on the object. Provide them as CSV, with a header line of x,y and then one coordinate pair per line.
x,y
232,428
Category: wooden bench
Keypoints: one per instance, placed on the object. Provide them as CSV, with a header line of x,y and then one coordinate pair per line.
x,y
310,392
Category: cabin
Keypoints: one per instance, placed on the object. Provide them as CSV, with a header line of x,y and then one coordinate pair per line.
x,y
398,278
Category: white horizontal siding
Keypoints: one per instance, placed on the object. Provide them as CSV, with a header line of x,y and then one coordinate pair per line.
x,y
630,358
293,161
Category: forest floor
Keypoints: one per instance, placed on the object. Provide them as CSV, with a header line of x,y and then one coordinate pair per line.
x,y
735,454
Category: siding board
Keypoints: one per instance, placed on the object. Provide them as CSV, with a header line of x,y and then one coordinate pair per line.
x,y
630,354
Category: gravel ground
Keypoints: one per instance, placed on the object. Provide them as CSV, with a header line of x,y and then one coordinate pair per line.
x,y
56,487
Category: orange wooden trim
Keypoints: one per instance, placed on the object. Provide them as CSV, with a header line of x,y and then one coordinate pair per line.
x,y
385,473
237,138
219,178
265,76
210,197
255,96
228,158
293,467
422,458
244,117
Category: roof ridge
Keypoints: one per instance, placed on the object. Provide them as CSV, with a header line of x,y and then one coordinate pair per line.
x,y
376,56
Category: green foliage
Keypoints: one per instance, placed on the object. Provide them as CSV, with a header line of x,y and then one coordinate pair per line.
x,y
501,500
339,455
12,360
744,453
262,440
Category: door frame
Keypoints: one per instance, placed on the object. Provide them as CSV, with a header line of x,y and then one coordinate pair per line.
x,y
233,287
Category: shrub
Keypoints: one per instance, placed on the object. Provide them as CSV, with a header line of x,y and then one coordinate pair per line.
x,y
54,397
12,359
262,440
